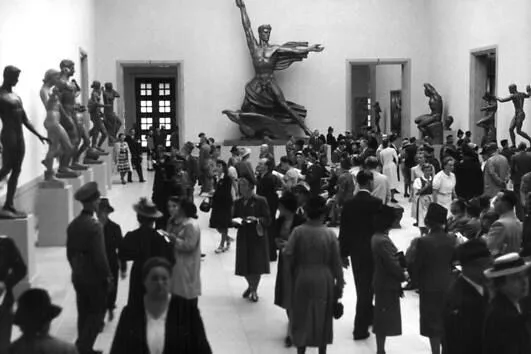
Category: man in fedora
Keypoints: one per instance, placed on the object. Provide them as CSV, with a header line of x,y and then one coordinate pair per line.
x,y
91,275
506,327
113,239
467,301
34,315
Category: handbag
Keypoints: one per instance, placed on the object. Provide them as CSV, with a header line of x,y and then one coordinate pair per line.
x,y
206,205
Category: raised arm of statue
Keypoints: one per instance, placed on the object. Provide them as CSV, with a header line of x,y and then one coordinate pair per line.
x,y
301,50
433,92
251,39
116,94
506,99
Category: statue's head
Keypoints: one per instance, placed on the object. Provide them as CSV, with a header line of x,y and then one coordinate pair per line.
x,y
264,32
67,67
11,74
96,85
513,88
427,90
51,76
108,86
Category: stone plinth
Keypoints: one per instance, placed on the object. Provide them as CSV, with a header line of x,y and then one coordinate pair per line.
x,y
88,175
55,210
100,176
109,164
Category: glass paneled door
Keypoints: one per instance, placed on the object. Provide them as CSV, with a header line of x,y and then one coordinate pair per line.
x,y
155,106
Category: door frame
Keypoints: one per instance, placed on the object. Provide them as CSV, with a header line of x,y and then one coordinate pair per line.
x,y
406,127
174,67
473,109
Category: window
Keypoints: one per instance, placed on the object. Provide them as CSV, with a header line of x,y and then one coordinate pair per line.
x,y
164,89
168,140
143,140
369,110
145,90
164,106
165,122
146,106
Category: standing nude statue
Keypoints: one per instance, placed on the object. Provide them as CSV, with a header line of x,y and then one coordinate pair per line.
x,y
377,117
436,106
112,122
518,99
96,116
263,95
60,144
488,121
13,117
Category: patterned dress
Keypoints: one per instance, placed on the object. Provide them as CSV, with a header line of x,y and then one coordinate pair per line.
x,y
123,158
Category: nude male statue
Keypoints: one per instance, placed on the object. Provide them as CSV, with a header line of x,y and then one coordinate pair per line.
x,y
59,141
263,95
436,105
13,117
112,122
518,99
96,116
377,117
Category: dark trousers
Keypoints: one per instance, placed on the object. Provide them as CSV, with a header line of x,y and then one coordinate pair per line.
x,y
273,253
137,166
519,204
363,272
113,291
91,303
6,323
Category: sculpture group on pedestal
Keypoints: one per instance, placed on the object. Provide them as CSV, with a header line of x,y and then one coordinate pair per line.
x,y
431,125
265,111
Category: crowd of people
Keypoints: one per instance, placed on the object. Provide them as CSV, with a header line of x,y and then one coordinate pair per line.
x,y
469,261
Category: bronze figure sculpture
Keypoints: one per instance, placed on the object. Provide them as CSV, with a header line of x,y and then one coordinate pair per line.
x,y
518,99
448,121
265,111
60,144
431,124
13,117
96,116
488,121
112,122
377,117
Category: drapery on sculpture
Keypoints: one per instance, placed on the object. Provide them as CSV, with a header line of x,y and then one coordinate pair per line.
x,y
431,124
265,111
518,99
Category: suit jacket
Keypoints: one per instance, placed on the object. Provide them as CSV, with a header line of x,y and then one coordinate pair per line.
x,y
12,268
388,274
433,261
381,188
357,226
41,345
464,314
85,250
268,185
505,329
113,240
185,333
495,174
505,235
520,165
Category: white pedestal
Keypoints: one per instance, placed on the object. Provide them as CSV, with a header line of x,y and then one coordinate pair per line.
x,y
55,210
22,232
88,175
100,176
108,161
76,183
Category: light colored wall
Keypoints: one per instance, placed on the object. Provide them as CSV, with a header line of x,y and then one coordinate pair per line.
x,y
207,36
388,78
459,26
35,35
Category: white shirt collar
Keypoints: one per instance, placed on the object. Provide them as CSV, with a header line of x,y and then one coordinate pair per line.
x,y
475,285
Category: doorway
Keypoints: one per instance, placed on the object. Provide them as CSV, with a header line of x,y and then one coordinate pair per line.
x,y
483,73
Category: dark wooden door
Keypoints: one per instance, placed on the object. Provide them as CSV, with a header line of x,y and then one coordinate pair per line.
x,y
155,106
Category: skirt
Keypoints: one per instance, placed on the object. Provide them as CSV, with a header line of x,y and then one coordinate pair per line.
x,y
387,317
123,164
431,313
423,202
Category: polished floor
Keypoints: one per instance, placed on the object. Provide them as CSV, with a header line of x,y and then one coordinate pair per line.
x,y
233,325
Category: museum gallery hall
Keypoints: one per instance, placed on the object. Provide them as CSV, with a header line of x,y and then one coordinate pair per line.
x,y
245,176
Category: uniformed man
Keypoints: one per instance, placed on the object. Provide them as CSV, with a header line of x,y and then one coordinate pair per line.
x,y
91,275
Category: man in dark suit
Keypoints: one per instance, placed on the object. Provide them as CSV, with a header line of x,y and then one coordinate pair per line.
x,y
520,165
91,275
12,271
467,301
355,233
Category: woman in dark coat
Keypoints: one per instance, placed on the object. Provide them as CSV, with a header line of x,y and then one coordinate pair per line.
x,y
468,175
180,327
252,246
221,216
144,243
387,279
283,226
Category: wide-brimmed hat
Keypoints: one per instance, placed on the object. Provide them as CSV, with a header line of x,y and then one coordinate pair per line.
x,y
105,205
437,214
508,264
246,152
147,208
35,309
471,251
87,192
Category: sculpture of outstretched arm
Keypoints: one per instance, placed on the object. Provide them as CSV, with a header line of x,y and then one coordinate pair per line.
x,y
301,50
488,108
528,91
506,99
251,39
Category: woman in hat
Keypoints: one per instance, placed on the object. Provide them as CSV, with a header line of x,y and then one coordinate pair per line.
x,y
244,167
316,279
506,327
34,316
122,157
432,269
162,322
143,243
252,246
222,202
444,184
388,277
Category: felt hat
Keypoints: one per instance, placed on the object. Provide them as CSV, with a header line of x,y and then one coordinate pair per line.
x,y
88,192
508,264
147,208
471,251
246,152
105,205
437,213
35,309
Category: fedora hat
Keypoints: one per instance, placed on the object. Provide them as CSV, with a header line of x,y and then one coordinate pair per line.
x,y
105,205
508,264
246,152
35,309
87,192
437,213
146,208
